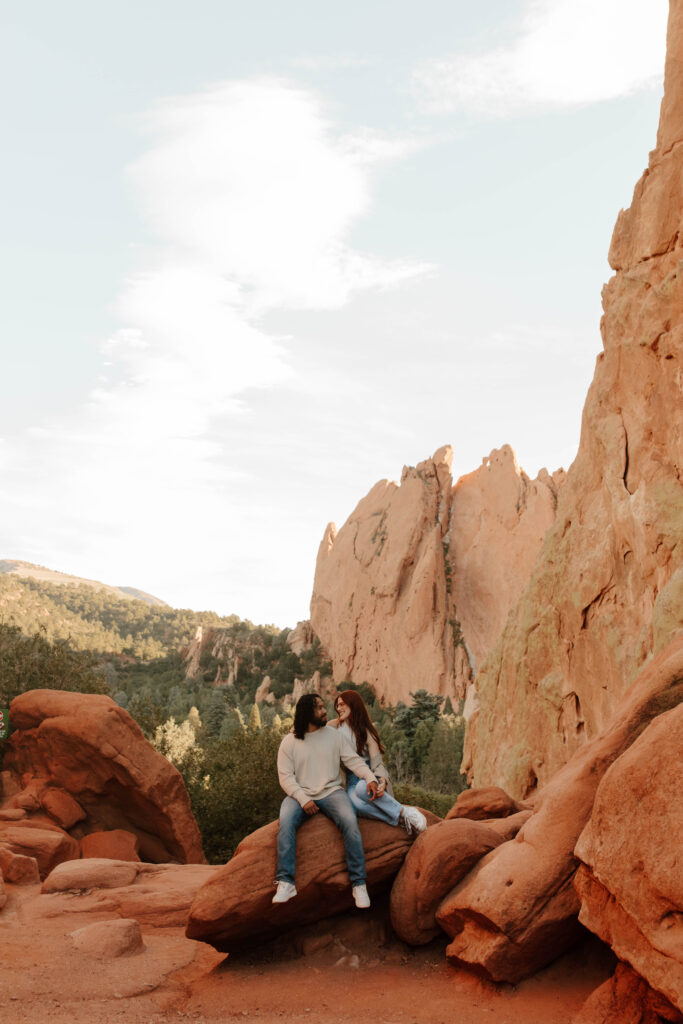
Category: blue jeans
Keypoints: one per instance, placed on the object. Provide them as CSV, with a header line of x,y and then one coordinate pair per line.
x,y
384,808
337,807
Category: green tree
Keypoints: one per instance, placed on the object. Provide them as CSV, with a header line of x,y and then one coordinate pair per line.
x,y
441,768
425,707
33,663
254,719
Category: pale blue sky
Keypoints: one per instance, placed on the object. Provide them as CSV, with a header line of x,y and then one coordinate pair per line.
x,y
256,257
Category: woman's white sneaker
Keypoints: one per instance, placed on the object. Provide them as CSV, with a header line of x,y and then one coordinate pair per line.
x,y
284,892
414,820
360,896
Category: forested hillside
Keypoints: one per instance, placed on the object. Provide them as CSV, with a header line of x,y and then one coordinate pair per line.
x,y
94,620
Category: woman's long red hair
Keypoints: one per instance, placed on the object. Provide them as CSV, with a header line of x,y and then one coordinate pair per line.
x,y
359,720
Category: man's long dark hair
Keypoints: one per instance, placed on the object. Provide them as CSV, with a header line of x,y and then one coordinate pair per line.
x,y
359,719
303,713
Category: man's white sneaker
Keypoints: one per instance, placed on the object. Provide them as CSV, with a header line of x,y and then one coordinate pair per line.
x,y
414,820
360,896
284,892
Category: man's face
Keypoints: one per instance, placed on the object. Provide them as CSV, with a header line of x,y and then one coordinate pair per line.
x,y
319,714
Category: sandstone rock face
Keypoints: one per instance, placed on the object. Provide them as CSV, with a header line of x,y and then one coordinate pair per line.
x,y
379,601
85,758
415,587
233,910
631,880
606,591
517,909
482,803
498,521
626,998
439,858
301,638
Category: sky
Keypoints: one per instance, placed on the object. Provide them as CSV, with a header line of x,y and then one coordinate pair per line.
x,y
256,257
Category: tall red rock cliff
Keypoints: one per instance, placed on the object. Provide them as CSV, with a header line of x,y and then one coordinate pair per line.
x,y
607,591
413,590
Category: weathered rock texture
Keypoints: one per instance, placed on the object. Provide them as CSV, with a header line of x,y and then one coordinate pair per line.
x,y
233,910
439,858
517,909
482,803
631,879
499,518
83,761
414,588
607,590
379,601
626,998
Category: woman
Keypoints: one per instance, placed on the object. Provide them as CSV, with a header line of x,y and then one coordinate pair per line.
x,y
354,720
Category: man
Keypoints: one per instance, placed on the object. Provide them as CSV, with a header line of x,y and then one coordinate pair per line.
x,y
309,768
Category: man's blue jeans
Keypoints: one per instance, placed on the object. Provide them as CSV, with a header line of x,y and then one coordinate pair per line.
x,y
337,807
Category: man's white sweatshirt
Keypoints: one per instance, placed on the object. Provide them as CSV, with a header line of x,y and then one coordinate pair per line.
x,y
310,769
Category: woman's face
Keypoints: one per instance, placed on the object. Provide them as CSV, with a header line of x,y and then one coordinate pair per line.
x,y
343,710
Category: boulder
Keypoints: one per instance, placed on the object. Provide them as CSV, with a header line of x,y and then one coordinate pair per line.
x,y
157,895
62,807
233,910
109,939
90,874
438,859
626,998
507,828
115,845
517,910
484,802
631,879
605,592
89,748
48,846
17,868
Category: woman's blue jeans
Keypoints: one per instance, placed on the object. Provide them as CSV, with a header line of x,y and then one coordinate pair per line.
x,y
337,807
383,808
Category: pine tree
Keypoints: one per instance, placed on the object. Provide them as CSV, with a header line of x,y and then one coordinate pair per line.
x,y
255,719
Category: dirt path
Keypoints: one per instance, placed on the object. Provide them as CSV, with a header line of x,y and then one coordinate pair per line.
x,y
44,980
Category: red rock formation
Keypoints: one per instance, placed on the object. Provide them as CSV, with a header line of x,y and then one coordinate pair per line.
x,y
607,592
415,587
631,879
486,802
83,757
498,521
626,998
233,910
439,858
379,601
517,909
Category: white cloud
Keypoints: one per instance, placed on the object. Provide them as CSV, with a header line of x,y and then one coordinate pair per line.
x,y
251,195
568,53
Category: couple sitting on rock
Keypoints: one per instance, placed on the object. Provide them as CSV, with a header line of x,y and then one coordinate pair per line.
x,y
309,767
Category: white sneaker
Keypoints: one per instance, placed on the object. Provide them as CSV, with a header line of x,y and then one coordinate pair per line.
x,y
360,896
284,892
413,820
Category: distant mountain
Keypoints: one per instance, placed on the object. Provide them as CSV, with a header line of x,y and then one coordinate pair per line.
x,y
98,617
15,567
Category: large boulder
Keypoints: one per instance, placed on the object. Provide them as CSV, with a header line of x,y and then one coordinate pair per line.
x,y
484,802
631,880
47,846
438,859
517,909
87,762
233,910
607,590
